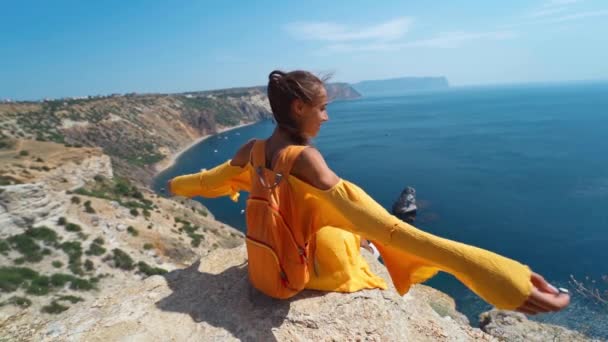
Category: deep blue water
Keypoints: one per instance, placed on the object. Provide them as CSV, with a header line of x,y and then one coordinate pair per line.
x,y
520,170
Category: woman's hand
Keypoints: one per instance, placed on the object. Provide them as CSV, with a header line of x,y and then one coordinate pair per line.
x,y
168,188
544,297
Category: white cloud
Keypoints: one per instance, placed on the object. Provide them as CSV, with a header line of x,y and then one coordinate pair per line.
x,y
557,11
443,41
576,16
561,2
455,39
544,12
332,32
551,7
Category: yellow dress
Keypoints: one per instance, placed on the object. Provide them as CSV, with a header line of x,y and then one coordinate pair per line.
x,y
338,265
410,255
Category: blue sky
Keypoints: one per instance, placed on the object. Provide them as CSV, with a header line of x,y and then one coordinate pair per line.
x,y
75,48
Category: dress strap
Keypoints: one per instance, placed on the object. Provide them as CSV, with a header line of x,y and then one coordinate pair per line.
x,y
287,158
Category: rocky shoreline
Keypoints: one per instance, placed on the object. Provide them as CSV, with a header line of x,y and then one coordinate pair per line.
x,y
169,161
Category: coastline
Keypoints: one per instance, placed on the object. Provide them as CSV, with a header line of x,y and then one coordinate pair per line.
x,y
170,160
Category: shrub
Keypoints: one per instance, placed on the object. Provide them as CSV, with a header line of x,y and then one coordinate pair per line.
x,y
148,270
60,279
134,212
76,267
43,233
594,290
62,221
11,278
57,264
26,246
75,199
24,153
122,260
4,247
54,308
88,208
72,227
95,249
39,286
81,284
18,301
196,239
137,194
72,248
98,240
132,231
71,299
148,246
88,265
122,188
74,251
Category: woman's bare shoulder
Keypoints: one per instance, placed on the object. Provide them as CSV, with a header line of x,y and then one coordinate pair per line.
x,y
241,157
311,168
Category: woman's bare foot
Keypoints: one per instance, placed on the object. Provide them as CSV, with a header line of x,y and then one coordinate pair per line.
x,y
544,297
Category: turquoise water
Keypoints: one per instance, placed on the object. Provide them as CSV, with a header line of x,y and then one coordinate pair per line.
x,y
520,170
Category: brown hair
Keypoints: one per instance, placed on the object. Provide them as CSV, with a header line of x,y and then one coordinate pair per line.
x,y
283,89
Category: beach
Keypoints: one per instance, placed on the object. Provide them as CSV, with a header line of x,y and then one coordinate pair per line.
x,y
170,160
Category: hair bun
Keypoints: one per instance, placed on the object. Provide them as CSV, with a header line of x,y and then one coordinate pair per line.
x,y
276,75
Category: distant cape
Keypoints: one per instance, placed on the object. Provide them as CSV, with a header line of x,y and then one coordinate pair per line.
x,y
400,85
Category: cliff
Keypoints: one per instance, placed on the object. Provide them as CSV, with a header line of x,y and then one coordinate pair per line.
x,y
73,231
212,301
87,256
139,131
135,131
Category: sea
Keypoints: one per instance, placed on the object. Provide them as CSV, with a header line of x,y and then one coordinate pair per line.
x,y
521,170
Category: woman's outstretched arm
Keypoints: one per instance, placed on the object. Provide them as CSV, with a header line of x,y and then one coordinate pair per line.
x,y
226,179
499,280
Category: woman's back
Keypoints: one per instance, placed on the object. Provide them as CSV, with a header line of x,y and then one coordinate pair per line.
x,y
310,166
281,221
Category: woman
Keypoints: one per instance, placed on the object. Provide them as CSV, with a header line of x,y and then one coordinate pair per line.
x,y
339,213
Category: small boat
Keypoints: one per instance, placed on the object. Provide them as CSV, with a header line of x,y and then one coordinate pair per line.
x,y
405,206
214,151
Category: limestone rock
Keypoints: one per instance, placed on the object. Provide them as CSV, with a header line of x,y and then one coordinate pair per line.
x,y
514,326
22,205
212,300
